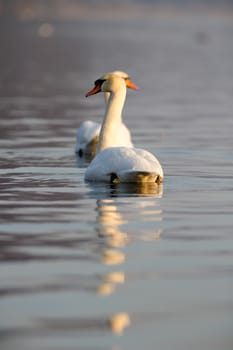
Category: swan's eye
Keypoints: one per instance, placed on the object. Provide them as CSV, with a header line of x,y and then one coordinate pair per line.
x,y
99,82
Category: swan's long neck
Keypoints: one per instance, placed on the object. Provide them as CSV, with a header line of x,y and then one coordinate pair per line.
x,y
112,118
106,97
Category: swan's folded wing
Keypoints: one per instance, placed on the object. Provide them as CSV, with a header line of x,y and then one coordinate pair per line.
x,y
87,131
87,137
125,164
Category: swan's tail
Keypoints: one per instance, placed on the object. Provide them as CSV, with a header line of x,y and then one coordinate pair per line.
x,y
136,176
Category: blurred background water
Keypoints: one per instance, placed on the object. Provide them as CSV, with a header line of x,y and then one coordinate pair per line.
x,y
94,266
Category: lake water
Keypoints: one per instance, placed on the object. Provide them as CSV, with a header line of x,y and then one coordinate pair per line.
x,y
93,266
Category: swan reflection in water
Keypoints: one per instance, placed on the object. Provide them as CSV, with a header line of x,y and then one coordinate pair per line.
x,y
117,216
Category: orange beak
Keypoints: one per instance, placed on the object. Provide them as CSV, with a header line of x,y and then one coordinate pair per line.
x,y
130,84
95,90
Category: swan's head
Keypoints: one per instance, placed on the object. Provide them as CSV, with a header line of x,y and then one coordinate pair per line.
x,y
128,82
112,82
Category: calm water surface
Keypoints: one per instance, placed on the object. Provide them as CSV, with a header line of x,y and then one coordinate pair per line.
x,y
93,266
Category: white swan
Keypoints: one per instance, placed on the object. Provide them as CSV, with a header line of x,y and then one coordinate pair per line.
x,y
87,136
119,164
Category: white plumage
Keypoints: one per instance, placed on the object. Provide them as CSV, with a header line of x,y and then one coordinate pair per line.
x,y
87,137
119,164
123,164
